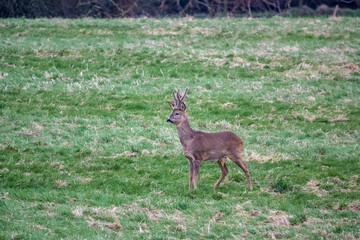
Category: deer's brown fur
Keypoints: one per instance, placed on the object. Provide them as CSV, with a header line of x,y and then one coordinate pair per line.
x,y
200,146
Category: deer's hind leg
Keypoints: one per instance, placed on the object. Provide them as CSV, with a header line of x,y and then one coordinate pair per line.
x,y
236,158
224,171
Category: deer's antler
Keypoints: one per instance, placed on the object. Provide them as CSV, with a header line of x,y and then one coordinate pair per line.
x,y
179,99
175,100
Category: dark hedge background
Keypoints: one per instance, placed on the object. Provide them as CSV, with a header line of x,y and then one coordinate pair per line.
x,y
159,8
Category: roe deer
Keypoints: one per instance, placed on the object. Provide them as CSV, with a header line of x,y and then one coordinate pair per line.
x,y
200,146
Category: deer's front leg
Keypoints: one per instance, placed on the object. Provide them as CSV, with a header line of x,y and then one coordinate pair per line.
x,y
196,164
191,173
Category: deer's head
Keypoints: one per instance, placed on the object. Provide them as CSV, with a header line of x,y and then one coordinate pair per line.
x,y
177,115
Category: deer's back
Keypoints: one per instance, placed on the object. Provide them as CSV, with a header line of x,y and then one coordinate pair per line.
x,y
212,146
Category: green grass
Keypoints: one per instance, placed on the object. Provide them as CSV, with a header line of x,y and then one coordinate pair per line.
x,y
86,152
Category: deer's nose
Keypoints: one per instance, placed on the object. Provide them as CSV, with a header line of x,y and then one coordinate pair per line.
x,y
168,120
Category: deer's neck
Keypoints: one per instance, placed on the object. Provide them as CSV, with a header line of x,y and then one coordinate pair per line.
x,y
185,132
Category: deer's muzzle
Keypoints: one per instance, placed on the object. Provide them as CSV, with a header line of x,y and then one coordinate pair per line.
x,y
168,120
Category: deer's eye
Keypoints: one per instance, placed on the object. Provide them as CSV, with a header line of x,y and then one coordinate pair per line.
x,y
177,113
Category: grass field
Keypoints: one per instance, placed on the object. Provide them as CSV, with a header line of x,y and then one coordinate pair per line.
x,y
86,152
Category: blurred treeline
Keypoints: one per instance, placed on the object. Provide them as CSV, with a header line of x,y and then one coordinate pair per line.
x,y
158,8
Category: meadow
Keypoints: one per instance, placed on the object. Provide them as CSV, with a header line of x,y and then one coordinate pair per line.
x,y
86,153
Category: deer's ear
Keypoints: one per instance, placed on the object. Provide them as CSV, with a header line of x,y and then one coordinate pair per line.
x,y
171,104
183,106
